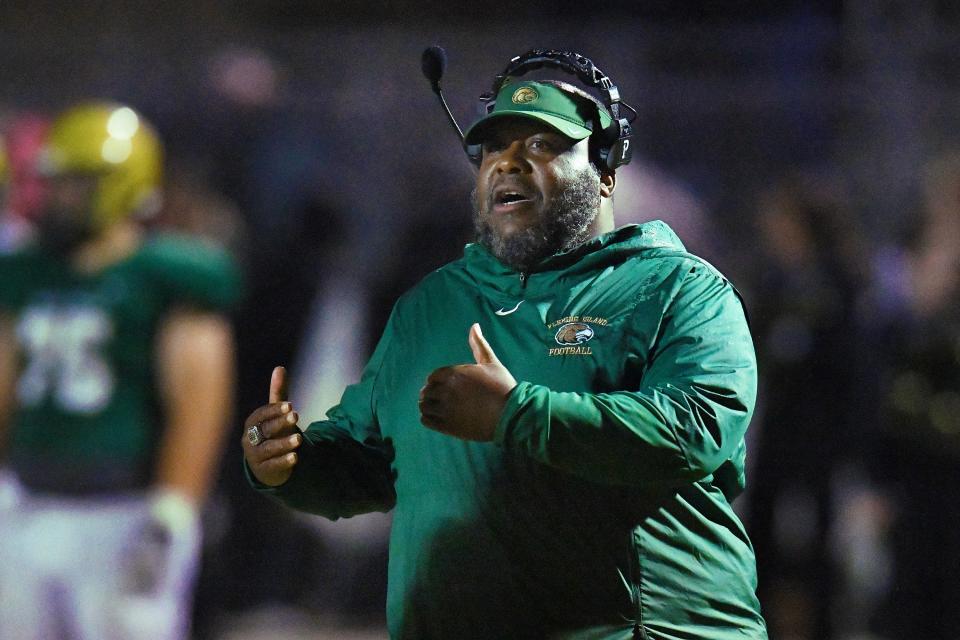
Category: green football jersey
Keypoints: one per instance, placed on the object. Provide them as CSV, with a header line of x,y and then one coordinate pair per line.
x,y
86,413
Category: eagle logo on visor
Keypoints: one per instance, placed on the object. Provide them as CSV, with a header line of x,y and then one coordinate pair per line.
x,y
574,333
524,95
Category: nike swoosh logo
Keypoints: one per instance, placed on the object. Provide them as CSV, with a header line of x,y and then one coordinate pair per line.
x,y
501,312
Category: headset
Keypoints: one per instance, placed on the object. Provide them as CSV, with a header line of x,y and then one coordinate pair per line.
x,y
613,144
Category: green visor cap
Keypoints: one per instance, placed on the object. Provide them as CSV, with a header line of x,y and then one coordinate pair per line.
x,y
570,115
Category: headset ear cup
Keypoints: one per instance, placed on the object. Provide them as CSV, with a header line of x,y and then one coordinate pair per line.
x,y
603,158
474,153
609,138
620,153
617,149
623,149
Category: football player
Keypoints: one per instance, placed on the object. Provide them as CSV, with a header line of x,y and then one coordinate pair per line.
x,y
116,361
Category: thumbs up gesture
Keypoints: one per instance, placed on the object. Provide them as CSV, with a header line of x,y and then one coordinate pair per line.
x,y
466,400
270,435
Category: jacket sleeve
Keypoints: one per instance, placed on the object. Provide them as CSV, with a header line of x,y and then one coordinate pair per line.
x,y
686,419
344,463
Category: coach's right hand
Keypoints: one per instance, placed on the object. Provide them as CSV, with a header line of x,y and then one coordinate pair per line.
x,y
272,460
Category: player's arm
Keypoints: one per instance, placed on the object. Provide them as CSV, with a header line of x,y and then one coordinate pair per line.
x,y
8,376
195,365
9,485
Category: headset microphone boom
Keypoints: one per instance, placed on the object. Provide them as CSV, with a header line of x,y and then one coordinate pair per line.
x,y
433,63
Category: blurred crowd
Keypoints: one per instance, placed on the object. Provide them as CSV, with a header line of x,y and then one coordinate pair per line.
x,y
855,448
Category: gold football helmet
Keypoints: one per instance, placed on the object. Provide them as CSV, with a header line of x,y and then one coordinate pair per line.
x,y
115,144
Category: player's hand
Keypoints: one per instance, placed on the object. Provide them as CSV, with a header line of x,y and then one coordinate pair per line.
x,y
466,400
272,461
171,520
11,493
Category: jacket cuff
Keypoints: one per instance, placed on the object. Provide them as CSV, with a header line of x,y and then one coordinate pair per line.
x,y
518,418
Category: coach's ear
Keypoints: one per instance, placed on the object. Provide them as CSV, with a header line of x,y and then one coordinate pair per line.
x,y
608,183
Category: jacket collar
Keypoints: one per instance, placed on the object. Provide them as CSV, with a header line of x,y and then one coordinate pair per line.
x,y
605,250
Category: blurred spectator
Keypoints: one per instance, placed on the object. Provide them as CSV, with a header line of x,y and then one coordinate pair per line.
x,y
25,136
647,192
21,144
914,324
116,371
437,209
801,303
191,206
267,159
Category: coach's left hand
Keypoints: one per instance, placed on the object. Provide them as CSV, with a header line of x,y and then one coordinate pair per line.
x,y
466,400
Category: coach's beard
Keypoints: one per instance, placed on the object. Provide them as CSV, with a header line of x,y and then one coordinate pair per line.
x,y
565,225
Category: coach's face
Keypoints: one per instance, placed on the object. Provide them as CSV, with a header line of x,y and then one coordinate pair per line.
x,y
537,192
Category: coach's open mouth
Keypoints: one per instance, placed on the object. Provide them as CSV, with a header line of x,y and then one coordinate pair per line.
x,y
510,198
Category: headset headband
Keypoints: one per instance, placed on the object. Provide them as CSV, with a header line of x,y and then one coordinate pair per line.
x,y
572,63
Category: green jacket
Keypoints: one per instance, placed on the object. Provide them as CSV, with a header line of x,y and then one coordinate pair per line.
x,y
602,508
